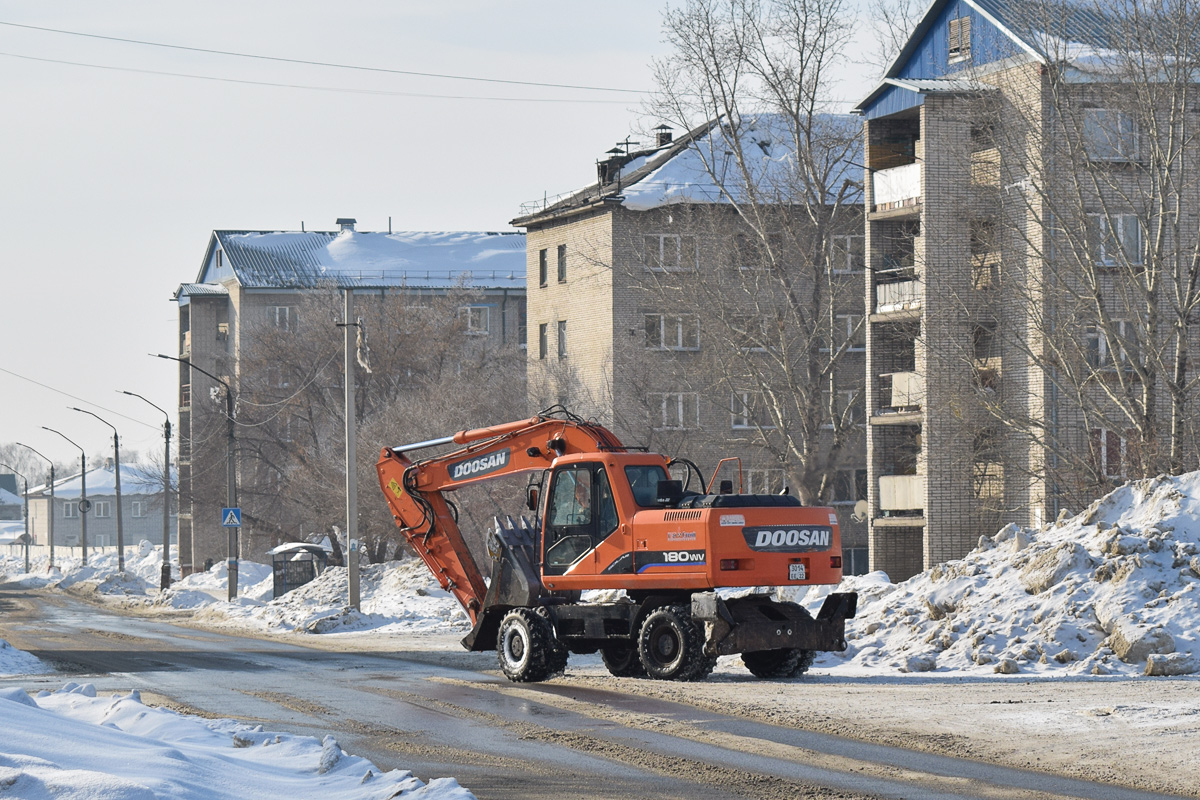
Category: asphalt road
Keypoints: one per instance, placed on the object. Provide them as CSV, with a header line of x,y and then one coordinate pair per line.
x,y
456,716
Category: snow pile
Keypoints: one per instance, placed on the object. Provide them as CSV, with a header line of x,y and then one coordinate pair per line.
x,y
18,662
72,743
396,597
143,568
1113,590
200,589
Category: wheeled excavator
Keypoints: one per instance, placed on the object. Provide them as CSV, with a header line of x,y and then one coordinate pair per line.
x,y
612,517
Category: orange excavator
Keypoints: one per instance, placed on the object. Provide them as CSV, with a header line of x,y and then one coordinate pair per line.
x,y
612,517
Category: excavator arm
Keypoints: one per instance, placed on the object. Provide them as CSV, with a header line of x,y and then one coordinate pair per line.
x,y
416,489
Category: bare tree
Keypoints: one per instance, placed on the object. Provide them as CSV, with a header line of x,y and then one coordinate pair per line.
x,y
420,374
761,237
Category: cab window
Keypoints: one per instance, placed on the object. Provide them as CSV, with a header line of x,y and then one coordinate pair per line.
x,y
581,514
643,480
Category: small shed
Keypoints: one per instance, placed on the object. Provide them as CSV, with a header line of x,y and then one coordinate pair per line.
x,y
295,564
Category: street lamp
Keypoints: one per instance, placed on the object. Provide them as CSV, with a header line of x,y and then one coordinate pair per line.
x,y
165,581
50,566
230,469
84,506
117,475
22,477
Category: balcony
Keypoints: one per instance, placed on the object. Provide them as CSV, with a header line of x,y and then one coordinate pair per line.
x,y
185,345
900,296
899,493
985,270
185,396
897,189
902,394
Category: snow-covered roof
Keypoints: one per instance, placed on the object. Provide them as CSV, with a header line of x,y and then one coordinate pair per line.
x,y
364,260
101,481
686,171
12,532
202,290
7,498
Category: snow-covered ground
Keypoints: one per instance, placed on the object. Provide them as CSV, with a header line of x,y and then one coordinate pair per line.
x,y
1112,591
72,744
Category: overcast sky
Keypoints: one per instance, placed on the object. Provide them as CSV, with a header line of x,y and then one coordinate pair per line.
x,y
111,181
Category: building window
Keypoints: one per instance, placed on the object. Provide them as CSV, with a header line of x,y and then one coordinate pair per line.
x,y
543,267
667,252
137,508
748,410
103,508
1109,454
543,340
849,328
850,408
751,253
855,561
475,320
522,325
666,332
283,317
70,510
1119,346
849,486
960,39
1115,239
1109,135
220,260
562,263
765,481
752,333
674,411
562,339
848,256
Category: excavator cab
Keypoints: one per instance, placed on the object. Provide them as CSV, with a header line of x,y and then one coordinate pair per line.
x,y
580,514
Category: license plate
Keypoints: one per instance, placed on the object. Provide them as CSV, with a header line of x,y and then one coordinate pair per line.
x,y
796,572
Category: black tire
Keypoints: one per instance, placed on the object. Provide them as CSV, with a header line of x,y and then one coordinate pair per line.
x,y
526,647
671,645
783,663
622,660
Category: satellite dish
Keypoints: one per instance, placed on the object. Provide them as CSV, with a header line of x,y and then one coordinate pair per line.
x,y
860,511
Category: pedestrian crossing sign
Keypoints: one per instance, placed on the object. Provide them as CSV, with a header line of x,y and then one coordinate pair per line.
x,y
231,517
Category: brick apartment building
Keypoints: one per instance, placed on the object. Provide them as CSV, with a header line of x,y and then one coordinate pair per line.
x,y
253,284
654,306
1007,175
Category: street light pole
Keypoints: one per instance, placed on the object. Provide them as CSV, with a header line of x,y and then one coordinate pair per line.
x,y
230,471
165,579
22,477
117,476
83,501
50,527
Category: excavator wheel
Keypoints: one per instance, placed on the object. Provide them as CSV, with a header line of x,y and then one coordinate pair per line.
x,y
671,645
622,660
784,663
526,647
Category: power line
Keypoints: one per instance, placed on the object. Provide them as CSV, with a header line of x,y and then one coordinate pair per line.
x,y
80,399
306,86
322,63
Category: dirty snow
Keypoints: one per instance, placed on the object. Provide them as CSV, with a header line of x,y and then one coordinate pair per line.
x,y
74,744
1112,590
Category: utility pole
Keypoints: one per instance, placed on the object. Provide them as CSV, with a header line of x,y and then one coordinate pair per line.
x,y
230,472
84,505
165,578
50,566
349,328
117,478
22,477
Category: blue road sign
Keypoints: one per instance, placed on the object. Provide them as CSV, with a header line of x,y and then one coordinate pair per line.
x,y
231,517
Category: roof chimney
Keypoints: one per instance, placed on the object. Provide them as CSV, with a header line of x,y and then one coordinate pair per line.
x,y
662,135
346,224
